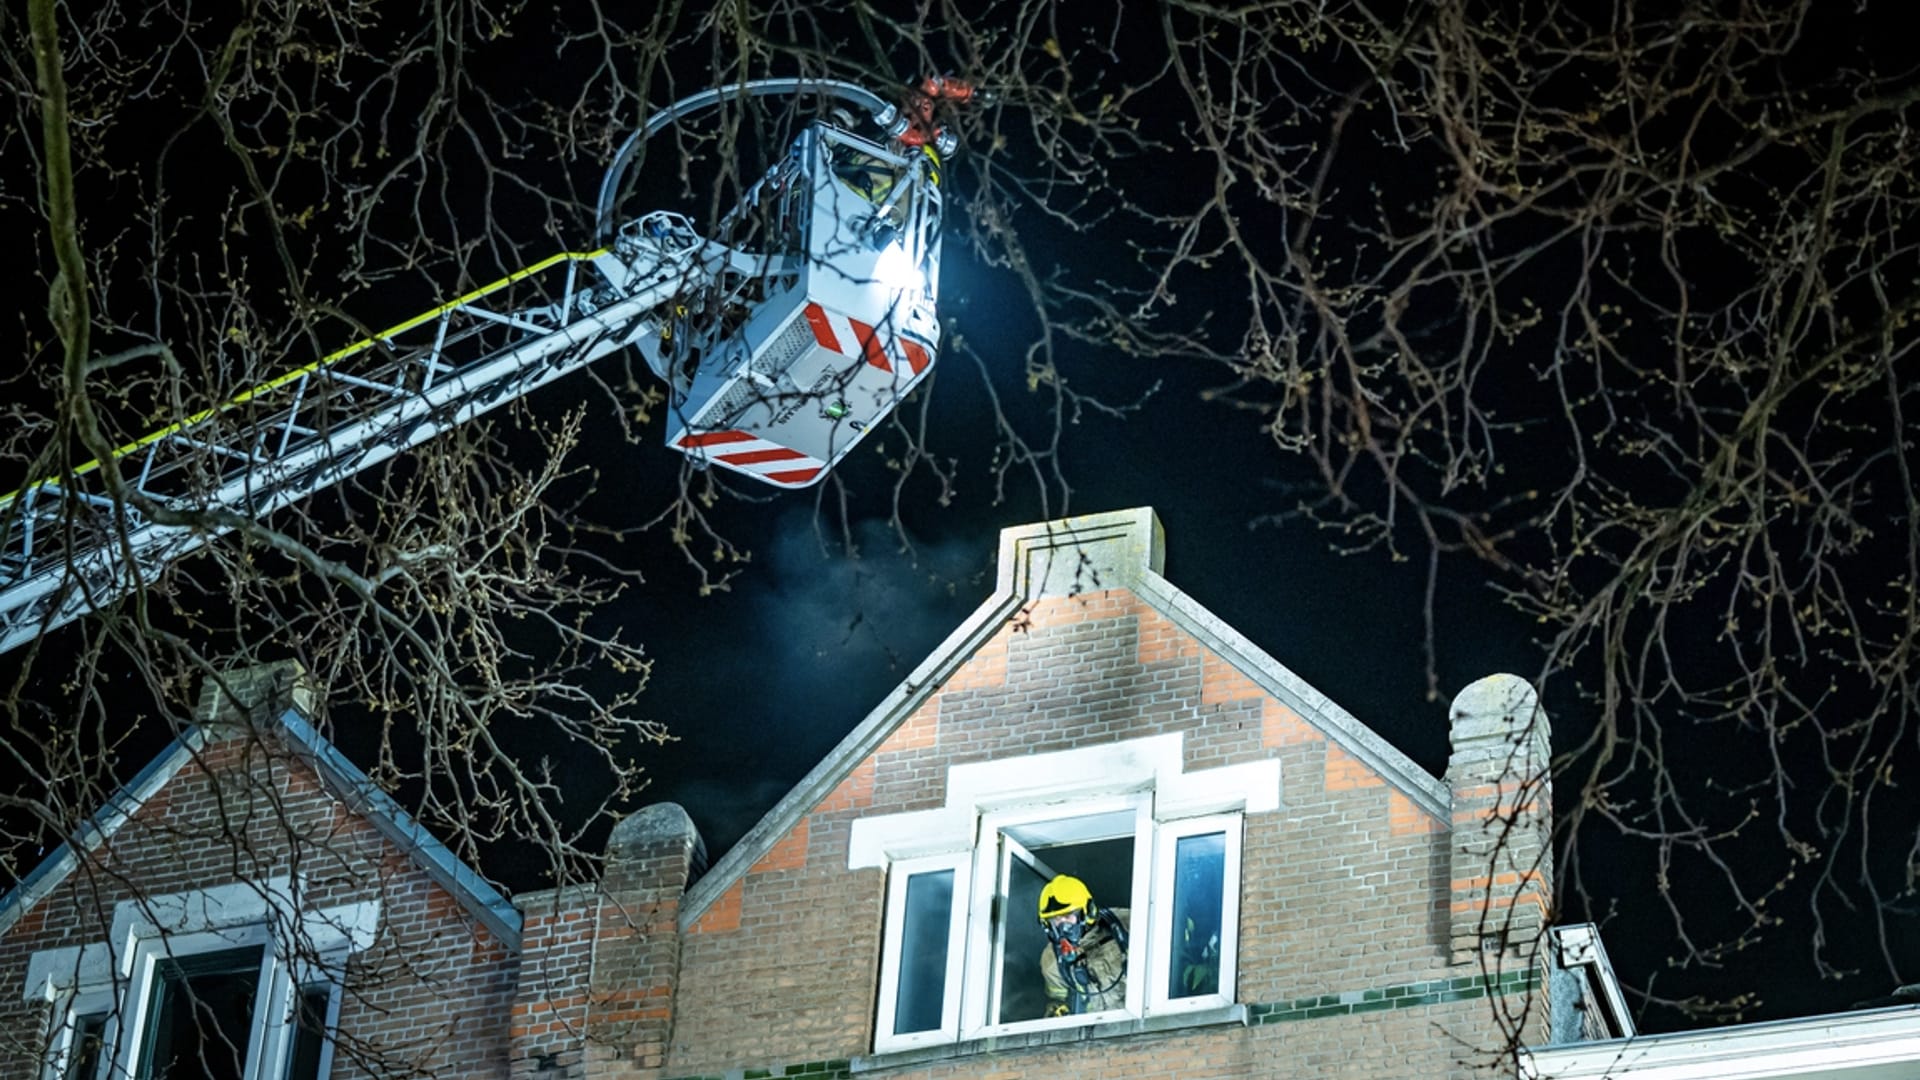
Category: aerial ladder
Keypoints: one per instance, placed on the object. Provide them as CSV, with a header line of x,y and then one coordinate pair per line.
x,y
783,337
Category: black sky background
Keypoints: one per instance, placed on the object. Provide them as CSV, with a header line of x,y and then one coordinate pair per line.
x,y
758,682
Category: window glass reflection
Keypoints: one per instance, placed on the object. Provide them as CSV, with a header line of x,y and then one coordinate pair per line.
x,y
83,1060
1199,870
923,953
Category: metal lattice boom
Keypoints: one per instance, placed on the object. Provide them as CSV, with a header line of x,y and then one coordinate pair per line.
x,y
67,547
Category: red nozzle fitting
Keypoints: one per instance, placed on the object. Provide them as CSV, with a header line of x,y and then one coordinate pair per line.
x,y
947,88
914,127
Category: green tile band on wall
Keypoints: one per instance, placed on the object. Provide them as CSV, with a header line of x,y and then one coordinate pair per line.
x,y
1346,1003
839,1069
1404,996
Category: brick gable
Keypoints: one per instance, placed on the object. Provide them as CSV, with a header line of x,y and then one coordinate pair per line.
x,y
784,967
426,997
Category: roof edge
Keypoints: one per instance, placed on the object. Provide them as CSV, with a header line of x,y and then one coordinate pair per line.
x,y
100,826
352,786
909,694
1827,1045
346,781
1341,726
1428,792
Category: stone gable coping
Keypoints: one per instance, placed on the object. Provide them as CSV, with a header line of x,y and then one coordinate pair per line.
x,y
1114,548
1341,727
345,782
866,738
1079,555
358,791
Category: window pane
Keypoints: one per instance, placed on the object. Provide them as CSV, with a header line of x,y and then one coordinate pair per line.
x,y
83,1057
1199,869
923,953
309,1032
870,177
200,1016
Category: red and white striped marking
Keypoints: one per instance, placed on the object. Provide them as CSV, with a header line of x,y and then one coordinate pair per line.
x,y
918,355
753,455
853,338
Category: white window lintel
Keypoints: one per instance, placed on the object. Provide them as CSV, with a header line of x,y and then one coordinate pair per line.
x,y
1150,763
320,934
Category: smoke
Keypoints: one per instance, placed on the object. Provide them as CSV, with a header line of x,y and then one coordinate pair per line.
x,y
842,620
760,686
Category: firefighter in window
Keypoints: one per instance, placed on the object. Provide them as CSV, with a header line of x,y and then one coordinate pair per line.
x,y
1085,961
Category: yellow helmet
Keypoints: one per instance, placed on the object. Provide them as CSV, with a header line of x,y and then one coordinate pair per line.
x,y
1064,894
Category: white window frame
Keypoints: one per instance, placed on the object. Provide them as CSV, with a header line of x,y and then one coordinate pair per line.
x,y
118,976
268,1031
69,1007
271,1032
1008,850
322,974
983,798
1166,839
976,951
981,990
903,871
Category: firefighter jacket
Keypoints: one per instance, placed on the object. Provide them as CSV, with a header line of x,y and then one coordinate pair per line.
x,y
1095,979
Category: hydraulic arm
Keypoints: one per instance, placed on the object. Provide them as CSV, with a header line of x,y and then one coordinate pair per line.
x,y
784,337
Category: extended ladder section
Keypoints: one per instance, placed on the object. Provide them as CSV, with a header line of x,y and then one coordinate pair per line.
x,y
783,342
66,547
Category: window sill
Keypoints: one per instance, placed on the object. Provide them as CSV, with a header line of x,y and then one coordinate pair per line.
x,y
1116,1029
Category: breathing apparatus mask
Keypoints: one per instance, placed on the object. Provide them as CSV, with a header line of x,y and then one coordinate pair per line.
x,y
1064,896
1065,933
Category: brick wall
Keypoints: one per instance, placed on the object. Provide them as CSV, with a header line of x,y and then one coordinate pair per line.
x,y
600,964
428,999
1345,891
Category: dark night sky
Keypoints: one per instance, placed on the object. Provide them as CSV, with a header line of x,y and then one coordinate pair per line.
x,y
758,683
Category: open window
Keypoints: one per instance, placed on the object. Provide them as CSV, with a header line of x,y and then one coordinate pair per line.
x,y
1104,844
964,955
971,961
